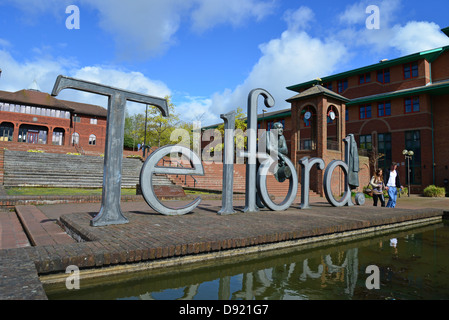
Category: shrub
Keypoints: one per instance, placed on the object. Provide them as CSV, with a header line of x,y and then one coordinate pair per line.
x,y
73,153
434,191
35,151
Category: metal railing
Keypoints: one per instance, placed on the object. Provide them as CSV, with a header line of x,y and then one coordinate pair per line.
x,y
185,175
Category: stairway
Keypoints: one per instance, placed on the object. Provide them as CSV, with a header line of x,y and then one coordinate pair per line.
x,y
213,180
23,168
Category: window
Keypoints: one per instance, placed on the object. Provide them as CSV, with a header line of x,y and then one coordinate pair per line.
x,y
6,131
328,85
365,78
75,138
384,149
411,105
346,114
383,76
365,111
92,140
93,121
366,142
33,134
413,142
306,144
410,70
384,109
342,85
76,119
58,137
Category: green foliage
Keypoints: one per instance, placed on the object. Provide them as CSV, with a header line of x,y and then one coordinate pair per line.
x,y
434,191
240,126
158,127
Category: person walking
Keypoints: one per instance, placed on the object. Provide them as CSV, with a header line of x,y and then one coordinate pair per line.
x,y
377,182
393,184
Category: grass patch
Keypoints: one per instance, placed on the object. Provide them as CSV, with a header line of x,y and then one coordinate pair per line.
x,y
33,191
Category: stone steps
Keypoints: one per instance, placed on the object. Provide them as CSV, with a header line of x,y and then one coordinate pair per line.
x,y
23,168
213,180
41,230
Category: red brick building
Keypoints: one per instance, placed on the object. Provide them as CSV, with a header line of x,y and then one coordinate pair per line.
x,y
30,119
390,106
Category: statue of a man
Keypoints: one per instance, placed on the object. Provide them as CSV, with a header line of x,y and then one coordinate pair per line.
x,y
282,171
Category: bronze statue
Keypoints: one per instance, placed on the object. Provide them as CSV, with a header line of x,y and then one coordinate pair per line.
x,y
281,171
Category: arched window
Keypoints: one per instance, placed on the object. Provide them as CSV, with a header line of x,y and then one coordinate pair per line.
x,y
333,132
92,140
308,125
58,137
75,138
6,131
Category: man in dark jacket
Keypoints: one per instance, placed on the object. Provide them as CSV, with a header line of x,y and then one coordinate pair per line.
x,y
393,183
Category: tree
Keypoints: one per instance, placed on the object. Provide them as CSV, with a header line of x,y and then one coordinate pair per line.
x,y
240,137
159,128
133,126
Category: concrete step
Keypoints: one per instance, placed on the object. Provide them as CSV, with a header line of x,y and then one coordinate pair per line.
x,y
12,234
23,168
41,230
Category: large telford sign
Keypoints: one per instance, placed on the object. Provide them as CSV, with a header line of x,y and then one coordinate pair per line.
x,y
267,155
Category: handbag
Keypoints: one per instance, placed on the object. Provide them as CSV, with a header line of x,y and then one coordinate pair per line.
x,y
368,190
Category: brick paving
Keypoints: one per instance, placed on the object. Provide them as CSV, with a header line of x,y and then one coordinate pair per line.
x,y
150,236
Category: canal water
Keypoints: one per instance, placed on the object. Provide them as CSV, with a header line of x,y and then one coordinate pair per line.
x,y
412,264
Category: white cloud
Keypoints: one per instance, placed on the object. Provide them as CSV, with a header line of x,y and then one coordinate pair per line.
x,y
17,76
197,109
355,14
126,80
404,39
208,14
417,36
144,28
293,58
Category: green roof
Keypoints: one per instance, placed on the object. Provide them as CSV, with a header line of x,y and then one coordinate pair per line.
x,y
436,88
429,55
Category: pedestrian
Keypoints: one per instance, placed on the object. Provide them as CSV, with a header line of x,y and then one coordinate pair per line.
x,y
378,185
393,184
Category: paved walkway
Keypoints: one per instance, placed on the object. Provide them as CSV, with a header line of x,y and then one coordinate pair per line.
x,y
153,237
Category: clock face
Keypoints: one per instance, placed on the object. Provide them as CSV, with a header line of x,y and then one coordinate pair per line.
x,y
332,115
307,115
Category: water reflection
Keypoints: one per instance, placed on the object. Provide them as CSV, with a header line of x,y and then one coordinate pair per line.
x,y
412,266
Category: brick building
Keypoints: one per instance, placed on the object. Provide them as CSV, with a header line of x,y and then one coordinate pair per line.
x,y
30,119
391,106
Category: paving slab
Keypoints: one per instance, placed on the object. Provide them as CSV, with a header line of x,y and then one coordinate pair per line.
x,y
12,234
40,229
18,277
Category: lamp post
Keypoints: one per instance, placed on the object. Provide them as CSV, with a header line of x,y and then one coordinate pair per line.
x,y
145,135
408,156
263,117
74,129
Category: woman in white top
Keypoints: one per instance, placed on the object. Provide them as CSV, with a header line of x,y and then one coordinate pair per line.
x,y
393,184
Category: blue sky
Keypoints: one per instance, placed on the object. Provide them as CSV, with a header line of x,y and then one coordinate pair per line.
x,y
206,54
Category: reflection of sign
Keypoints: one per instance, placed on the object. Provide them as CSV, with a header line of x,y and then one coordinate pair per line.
x,y
332,115
307,115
